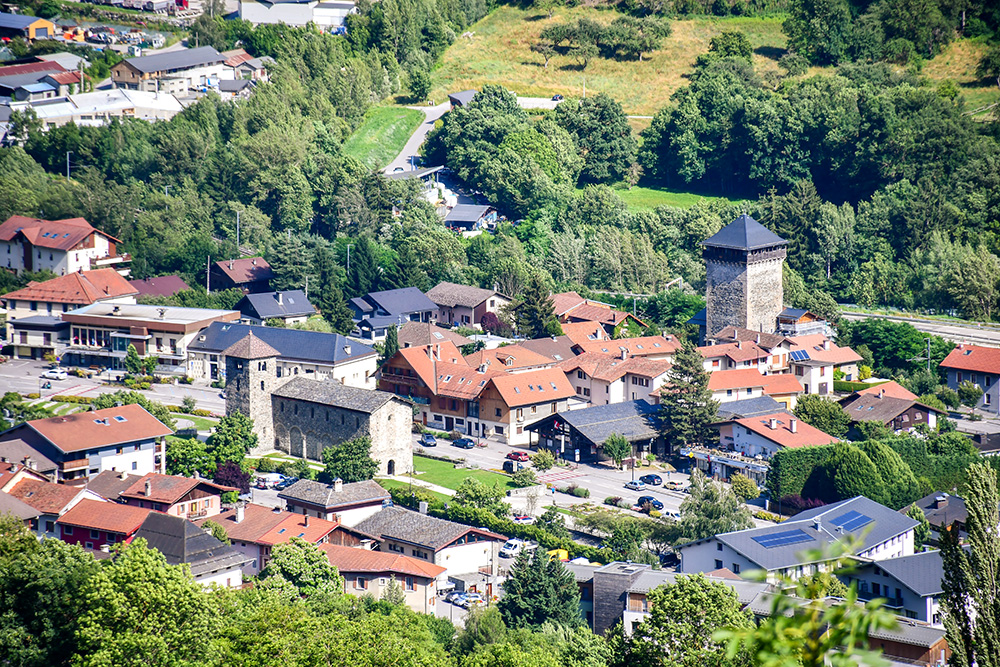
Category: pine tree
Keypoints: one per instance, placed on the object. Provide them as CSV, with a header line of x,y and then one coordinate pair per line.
x,y
407,271
391,345
536,314
686,406
328,296
539,590
363,276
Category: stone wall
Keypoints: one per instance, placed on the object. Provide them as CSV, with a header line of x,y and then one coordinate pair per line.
x,y
249,384
726,295
765,294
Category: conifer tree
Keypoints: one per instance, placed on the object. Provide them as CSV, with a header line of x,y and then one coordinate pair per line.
x,y
363,276
686,405
536,314
391,345
328,295
539,590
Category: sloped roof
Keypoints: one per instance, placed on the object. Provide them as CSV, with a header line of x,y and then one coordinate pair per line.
x,y
748,407
872,407
263,305
974,358
608,368
413,334
804,435
45,497
738,351
741,378
110,484
353,559
556,348
401,301
180,541
82,287
331,392
297,344
453,295
65,78
508,357
563,302
537,386
466,213
634,347
462,97
819,348
891,388
250,347
54,234
159,286
235,57
744,233
31,68
18,21
634,420
111,426
765,340
324,495
169,488
310,529
109,517
582,332
11,505
921,573
405,525
246,269
173,60
950,509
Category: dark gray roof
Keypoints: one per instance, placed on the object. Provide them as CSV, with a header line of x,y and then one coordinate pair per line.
x,y
39,323
234,85
397,523
174,60
945,511
16,21
331,392
746,591
749,407
18,445
362,305
466,213
452,295
558,348
323,495
921,573
635,420
700,318
401,301
413,173
744,233
583,573
263,305
293,344
793,313
884,525
15,81
110,484
872,407
462,97
180,541
22,510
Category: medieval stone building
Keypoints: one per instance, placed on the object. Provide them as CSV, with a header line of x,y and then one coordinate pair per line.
x,y
743,282
302,417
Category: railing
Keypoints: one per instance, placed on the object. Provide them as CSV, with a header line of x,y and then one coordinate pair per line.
x,y
197,515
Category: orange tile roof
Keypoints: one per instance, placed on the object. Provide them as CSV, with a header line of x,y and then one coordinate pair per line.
x,y
891,388
508,357
419,359
45,497
82,287
353,559
748,351
55,234
236,57
741,378
262,525
583,332
168,488
81,430
833,354
109,517
608,368
310,529
566,301
246,269
975,358
539,386
783,383
461,380
635,347
804,436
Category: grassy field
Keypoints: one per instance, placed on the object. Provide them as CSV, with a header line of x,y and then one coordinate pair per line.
x,y
957,62
639,198
500,52
447,475
396,484
382,135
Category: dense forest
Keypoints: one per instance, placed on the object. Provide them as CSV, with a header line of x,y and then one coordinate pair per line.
x,y
887,190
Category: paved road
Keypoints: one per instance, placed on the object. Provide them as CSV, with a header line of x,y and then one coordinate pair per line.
x,y
981,334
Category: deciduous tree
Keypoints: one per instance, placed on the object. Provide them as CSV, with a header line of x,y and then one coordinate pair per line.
x,y
617,448
350,461
710,509
233,439
824,414
304,566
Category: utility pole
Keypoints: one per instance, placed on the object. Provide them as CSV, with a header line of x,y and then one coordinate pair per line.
x,y
166,190
237,232
67,164
349,246
927,358
307,287
208,273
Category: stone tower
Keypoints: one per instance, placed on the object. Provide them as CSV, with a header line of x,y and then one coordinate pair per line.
x,y
743,286
251,376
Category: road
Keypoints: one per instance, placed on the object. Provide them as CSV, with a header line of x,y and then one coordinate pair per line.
x,y
980,334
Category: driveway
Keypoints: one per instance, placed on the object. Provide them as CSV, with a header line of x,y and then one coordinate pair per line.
x,y
410,155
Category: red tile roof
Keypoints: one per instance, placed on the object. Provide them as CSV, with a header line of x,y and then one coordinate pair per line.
x,y
246,270
783,383
566,301
31,68
109,517
821,350
262,525
539,386
464,380
9,470
45,497
55,234
891,388
310,529
643,346
608,368
741,351
975,358
508,357
741,378
582,332
765,340
83,287
804,436
160,286
353,559
81,431
169,488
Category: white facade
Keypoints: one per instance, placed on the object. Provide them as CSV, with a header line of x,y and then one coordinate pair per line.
x,y
135,459
873,582
59,262
231,577
597,392
350,517
816,379
47,527
456,559
325,15
353,372
101,107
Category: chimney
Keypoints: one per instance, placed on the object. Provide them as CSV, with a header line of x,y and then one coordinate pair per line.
x,y
149,489
28,463
276,510
338,485
240,511
280,299
230,265
624,353
881,393
305,520
123,475
773,424
3,459
940,502
758,339
739,344
793,425
437,352
553,339
423,507
254,261
826,344
816,524
347,350
116,310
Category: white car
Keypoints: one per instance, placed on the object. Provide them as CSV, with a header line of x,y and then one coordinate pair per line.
x,y
514,546
55,374
524,519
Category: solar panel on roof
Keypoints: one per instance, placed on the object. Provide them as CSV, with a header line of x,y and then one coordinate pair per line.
x,y
851,521
782,539
799,355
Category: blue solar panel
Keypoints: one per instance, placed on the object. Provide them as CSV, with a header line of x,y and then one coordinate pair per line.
x,y
799,355
851,521
782,539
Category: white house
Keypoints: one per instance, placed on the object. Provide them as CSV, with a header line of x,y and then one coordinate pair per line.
x,y
978,365
814,359
51,501
60,246
348,504
911,585
329,15
728,356
602,379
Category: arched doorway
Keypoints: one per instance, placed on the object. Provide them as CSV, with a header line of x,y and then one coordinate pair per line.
x,y
295,443
391,467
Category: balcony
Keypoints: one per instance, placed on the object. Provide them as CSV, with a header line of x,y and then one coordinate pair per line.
x,y
75,464
194,516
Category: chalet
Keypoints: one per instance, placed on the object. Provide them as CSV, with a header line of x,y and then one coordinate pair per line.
x,y
290,307
800,322
368,572
814,359
83,444
978,365
250,274
510,403
579,435
60,246
185,497
93,524
464,305
346,504
173,72
899,414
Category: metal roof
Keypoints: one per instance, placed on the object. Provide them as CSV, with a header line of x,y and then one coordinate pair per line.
x,y
467,213
744,233
748,407
462,97
400,301
291,344
264,305
635,420
176,60
17,21
921,573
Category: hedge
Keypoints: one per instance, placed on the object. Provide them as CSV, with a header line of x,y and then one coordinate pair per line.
x,y
850,387
85,400
790,468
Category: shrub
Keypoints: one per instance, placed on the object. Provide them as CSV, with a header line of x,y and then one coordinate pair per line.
x,y
201,413
614,501
744,487
655,514
454,435
767,516
189,403
264,464
32,395
575,490
186,380
794,64
83,400
417,427
543,459
795,503
525,477
229,497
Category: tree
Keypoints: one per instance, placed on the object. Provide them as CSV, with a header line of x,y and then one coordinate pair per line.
x,y
543,460
233,439
687,409
391,345
901,484
140,611
524,478
989,65
545,49
229,473
847,472
969,394
682,619
553,522
732,44
393,593
710,509
744,487
972,283
922,533
539,590
617,448
971,599
133,362
328,295
818,29
350,461
121,397
601,131
479,495
420,84
304,566
824,414
536,315
187,456
217,530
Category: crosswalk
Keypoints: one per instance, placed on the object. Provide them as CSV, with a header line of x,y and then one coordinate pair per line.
x,y
559,476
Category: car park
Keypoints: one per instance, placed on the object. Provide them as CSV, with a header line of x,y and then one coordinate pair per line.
x,y
464,443
651,501
55,374
518,456
652,480
635,485
428,440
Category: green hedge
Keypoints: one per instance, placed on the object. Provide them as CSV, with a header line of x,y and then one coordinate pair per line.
x,y
850,387
85,400
790,468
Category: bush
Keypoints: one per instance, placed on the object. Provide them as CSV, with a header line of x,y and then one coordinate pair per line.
x,y
83,400
32,395
524,478
744,487
417,427
794,64
655,514
454,435
850,387
186,380
264,464
543,460
795,503
767,516
574,490
615,501
229,497
201,413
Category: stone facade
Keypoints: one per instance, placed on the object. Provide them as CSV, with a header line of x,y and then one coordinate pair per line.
x,y
249,383
743,288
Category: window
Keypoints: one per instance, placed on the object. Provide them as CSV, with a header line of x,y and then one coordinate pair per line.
x,y
580,375
736,568
49,527
534,409
718,546
715,363
520,413
94,534
361,583
67,530
135,465
729,392
89,545
499,430
419,554
718,564
497,412
410,584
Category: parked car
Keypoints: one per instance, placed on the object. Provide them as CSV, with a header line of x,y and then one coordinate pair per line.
x,y
55,374
470,600
428,440
453,596
518,456
464,443
557,98
635,485
652,480
671,484
512,466
516,545
649,500
524,519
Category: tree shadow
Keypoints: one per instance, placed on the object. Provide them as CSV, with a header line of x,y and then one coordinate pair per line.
x,y
770,52
572,67
534,63
536,17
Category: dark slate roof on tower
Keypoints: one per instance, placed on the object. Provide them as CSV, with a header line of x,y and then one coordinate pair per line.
x,y
250,347
744,233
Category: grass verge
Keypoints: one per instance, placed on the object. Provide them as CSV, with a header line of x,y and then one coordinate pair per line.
x,y
396,484
447,475
640,198
382,134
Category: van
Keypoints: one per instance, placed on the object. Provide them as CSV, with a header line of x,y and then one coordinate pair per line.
x,y
516,545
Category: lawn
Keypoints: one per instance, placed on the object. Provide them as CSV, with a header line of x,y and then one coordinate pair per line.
x,y
382,134
957,62
500,52
396,484
200,423
639,198
447,475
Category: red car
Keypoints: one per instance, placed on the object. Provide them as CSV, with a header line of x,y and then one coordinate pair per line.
x,y
518,456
